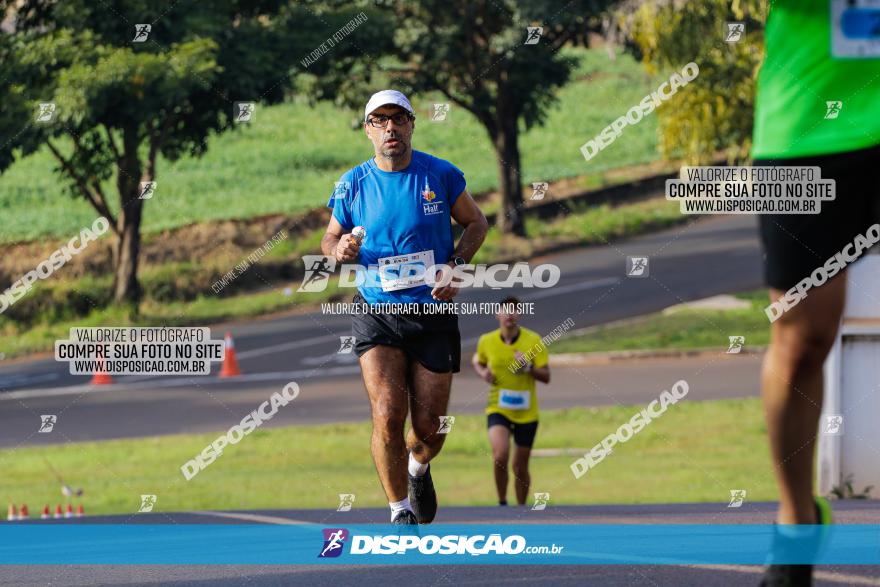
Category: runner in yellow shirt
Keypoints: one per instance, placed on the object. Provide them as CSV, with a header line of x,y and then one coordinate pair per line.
x,y
510,359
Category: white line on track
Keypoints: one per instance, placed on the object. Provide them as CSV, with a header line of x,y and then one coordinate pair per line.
x,y
564,289
176,382
251,517
267,350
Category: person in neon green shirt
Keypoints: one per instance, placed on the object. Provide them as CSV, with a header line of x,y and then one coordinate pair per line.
x,y
817,104
510,359
818,90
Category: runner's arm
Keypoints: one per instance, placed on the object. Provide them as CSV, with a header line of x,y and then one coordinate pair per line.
x,y
541,374
466,213
336,243
482,369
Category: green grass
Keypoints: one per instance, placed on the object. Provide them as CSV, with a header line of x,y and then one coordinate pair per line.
x,y
696,452
287,160
683,329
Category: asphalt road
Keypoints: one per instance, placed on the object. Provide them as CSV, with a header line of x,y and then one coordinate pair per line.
x,y
124,412
422,575
847,512
711,256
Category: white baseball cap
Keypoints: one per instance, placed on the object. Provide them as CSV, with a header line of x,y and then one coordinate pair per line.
x,y
386,97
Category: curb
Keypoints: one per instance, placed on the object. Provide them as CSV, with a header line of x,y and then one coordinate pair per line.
x,y
608,357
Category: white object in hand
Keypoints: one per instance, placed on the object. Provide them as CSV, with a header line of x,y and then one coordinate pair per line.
x,y
359,233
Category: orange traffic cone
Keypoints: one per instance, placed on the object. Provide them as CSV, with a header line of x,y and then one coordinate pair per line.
x,y
23,513
13,513
58,513
45,515
101,377
69,512
80,512
230,364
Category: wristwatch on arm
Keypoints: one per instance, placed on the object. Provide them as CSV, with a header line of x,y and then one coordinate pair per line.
x,y
457,261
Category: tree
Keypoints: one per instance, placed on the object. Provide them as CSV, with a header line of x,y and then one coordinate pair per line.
x,y
716,110
475,54
122,95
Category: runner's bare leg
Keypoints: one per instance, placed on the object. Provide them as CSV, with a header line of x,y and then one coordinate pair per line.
x,y
499,438
429,400
384,369
792,390
521,477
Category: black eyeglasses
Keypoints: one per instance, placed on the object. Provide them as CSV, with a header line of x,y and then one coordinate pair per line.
x,y
382,121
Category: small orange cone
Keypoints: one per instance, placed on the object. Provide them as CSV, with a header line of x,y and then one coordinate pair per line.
x,y
230,364
45,515
58,513
23,513
69,512
101,377
13,513
80,512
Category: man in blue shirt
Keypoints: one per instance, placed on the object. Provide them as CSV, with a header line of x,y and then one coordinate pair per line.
x,y
405,202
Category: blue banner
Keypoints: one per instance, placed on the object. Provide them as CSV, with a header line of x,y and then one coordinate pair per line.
x,y
543,544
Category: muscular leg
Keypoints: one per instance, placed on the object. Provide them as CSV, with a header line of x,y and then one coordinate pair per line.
x,y
499,438
384,369
521,477
429,398
792,390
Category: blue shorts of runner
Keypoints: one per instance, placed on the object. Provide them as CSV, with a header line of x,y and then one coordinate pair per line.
x,y
433,339
523,434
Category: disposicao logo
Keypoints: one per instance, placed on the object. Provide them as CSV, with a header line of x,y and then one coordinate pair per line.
x,y
334,540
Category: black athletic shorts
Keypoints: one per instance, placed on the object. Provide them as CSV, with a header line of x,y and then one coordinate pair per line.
x,y
433,339
796,244
523,434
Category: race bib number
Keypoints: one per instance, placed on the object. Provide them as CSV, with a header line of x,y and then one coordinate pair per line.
x,y
404,271
512,399
855,29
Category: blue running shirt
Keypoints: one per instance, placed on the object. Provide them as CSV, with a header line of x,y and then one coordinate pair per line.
x,y
407,217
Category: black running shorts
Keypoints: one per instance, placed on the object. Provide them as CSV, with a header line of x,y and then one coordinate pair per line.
x,y
796,244
523,434
433,339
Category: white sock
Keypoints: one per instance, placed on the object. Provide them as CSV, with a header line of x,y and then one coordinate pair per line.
x,y
399,506
416,469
